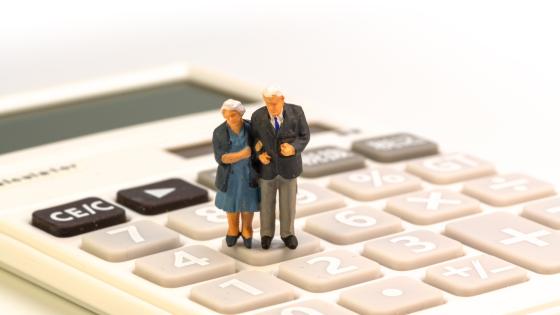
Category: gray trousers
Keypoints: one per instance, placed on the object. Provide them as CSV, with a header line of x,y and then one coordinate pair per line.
x,y
287,189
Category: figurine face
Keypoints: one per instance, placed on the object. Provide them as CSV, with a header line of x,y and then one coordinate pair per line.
x,y
233,118
274,104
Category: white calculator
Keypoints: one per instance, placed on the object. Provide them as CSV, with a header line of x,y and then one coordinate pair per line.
x,y
107,199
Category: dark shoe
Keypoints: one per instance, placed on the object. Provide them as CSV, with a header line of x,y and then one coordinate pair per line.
x,y
290,241
265,242
248,242
231,240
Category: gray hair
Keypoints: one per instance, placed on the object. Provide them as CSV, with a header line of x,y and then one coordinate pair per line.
x,y
235,105
272,91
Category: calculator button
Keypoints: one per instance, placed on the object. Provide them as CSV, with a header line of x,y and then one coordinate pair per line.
x,y
183,266
450,168
162,196
329,160
505,190
308,307
207,178
242,292
412,250
395,147
351,225
328,271
78,217
125,242
277,252
398,295
203,222
311,199
512,238
474,275
374,183
545,212
428,207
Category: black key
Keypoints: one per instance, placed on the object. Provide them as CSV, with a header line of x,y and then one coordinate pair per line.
x,y
78,217
162,196
395,147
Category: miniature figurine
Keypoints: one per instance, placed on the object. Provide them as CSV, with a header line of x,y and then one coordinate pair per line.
x,y
281,133
236,179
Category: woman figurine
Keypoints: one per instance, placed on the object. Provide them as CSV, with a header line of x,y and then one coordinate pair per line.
x,y
236,179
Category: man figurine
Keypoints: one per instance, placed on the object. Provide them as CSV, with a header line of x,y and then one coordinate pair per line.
x,y
281,133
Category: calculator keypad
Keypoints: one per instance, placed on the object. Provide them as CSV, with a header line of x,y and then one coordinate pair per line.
x,y
328,270
308,307
184,265
313,199
129,241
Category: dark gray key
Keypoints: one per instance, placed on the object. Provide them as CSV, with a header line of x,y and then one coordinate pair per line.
x,y
329,160
395,147
78,217
162,196
207,178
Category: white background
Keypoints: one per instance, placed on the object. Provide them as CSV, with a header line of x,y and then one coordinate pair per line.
x,y
481,77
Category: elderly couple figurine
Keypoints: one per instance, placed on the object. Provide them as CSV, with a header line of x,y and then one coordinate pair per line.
x,y
257,160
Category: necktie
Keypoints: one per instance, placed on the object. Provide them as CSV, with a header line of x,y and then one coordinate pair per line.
x,y
276,124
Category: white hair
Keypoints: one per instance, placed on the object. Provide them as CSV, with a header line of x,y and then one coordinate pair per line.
x,y
233,105
272,91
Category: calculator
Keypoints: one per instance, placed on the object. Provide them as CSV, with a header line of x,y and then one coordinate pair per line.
x,y
107,199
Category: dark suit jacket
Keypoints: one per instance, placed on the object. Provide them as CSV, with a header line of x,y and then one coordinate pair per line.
x,y
222,145
294,130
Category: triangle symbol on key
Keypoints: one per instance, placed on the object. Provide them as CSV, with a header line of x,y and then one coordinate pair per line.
x,y
159,193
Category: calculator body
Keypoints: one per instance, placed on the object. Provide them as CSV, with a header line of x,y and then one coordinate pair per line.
x,y
102,163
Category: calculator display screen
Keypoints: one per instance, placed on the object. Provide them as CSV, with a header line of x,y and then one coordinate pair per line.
x,y
28,129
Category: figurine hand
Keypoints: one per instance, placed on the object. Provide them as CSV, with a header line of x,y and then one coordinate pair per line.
x,y
258,146
245,153
287,149
264,158
228,158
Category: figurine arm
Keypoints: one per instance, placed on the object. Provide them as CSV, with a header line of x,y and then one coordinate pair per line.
x,y
303,136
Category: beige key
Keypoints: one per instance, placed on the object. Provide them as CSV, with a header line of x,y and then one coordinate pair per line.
x,y
201,222
474,275
450,168
309,307
506,190
312,199
411,250
183,266
374,183
328,271
256,256
129,241
242,292
352,225
398,295
512,238
545,212
428,207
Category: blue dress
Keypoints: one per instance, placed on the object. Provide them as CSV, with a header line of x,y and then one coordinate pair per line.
x,y
240,196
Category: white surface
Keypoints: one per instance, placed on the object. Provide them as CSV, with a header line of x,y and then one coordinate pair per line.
x,y
479,76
